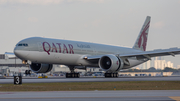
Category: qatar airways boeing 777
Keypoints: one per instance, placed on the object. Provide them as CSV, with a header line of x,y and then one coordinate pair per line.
x,y
42,53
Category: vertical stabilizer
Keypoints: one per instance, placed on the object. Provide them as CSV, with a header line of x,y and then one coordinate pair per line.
x,y
141,40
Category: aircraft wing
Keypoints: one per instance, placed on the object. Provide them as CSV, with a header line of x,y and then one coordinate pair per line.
x,y
143,54
9,53
154,53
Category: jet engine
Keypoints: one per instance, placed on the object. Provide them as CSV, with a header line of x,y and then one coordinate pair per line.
x,y
110,63
41,68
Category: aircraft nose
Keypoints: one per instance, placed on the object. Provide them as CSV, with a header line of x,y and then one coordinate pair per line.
x,y
20,53
16,52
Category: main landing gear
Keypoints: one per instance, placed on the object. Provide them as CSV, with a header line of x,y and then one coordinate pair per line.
x,y
111,75
72,74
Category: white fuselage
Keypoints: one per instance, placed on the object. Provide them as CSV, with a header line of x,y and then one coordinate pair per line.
x,y
57,51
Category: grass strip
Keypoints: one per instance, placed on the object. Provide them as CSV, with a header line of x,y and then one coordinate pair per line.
x,y
90,86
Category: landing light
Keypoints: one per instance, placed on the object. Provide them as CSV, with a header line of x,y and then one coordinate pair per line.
x,y
24,61
85,58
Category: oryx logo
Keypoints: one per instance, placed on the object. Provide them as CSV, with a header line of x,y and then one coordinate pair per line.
x,y
143,37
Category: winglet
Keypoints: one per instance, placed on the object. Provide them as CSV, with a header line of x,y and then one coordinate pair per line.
x,y
141,40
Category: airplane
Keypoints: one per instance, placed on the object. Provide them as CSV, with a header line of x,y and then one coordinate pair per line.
x,y
42,53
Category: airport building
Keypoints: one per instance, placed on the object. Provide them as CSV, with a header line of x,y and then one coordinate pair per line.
x,y
11,65
63,68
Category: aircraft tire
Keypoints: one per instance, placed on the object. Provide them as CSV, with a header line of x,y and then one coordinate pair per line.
x,y
66,75
75,75
72,75
26,72
112,75
107,75
29,72
117,75
78,75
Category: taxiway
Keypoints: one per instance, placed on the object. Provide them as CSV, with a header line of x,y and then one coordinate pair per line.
x,y
163,95
89,79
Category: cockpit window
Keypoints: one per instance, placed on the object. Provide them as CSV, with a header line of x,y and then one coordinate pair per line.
x,y
22,44
19,44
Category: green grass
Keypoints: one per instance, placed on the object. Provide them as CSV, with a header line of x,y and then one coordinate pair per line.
x,y
90,86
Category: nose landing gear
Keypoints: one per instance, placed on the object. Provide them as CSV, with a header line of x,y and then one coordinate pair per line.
x,y
28,72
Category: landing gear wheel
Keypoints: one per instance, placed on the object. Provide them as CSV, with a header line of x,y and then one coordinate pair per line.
x,y
117,75
108,75
67,75
75,75
28,72
72,75
78,75
113,75
105,75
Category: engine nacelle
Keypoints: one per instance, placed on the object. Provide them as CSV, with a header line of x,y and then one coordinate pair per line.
x,y
110,63
41,68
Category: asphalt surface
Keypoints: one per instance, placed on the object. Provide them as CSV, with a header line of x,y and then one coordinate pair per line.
x,y
88,79
135,95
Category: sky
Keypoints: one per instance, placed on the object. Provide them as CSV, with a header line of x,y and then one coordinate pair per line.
x,y
112,22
